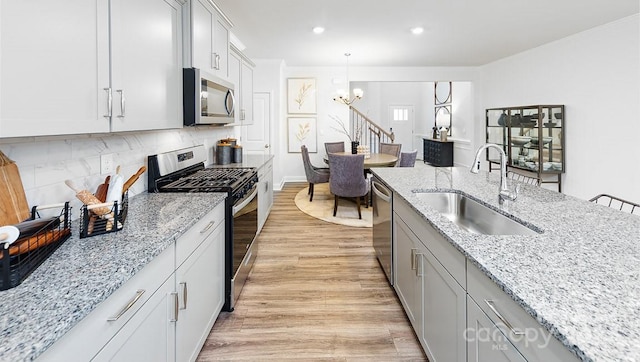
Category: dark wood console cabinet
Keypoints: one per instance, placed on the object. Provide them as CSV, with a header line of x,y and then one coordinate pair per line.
x,y
438,153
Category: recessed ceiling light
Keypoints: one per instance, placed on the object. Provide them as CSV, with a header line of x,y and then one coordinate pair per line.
x,y
417,30
318,30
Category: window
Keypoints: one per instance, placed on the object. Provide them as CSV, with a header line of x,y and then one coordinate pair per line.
x,y
400,114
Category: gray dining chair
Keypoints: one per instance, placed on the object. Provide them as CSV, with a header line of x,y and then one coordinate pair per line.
x,y
391,149
332,147
347,179
408,159
315,175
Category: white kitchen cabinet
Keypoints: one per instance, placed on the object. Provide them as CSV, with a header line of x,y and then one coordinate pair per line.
x,y
485,341
241,74
200,288
207,38
149,335
265,192
529,338
164,312
90,67
146,69
434,300
55,64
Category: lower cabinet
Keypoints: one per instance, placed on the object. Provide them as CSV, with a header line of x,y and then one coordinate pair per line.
x,y
433,300
265,192
164,312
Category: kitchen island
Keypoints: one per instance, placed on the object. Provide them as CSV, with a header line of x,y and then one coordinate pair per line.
x,y
579,278
82,273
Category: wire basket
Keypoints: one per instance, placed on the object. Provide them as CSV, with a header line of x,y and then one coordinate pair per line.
x,y
39,238
92,224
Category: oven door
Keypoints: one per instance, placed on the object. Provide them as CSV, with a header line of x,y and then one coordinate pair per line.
x,y
245,227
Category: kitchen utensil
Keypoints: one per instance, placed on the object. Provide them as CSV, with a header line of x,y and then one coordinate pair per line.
x,y
520,140
24,245
133,179
101,191
13,202
114,193
31,227
8,234
88,198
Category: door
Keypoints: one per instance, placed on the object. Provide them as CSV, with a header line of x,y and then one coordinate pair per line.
x,y
256,137
401,118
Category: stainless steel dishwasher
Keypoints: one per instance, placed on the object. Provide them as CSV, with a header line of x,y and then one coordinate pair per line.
x,y
382,198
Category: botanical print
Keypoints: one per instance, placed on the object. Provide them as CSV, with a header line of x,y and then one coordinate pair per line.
x,y
301,95
302,131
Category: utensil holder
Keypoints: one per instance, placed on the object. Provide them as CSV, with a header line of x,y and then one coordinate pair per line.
x,y
92,224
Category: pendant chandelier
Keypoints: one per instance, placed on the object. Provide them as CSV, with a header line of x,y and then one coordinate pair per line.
x,y
343,95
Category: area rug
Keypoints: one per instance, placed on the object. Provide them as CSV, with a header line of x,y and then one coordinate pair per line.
x,y
322,208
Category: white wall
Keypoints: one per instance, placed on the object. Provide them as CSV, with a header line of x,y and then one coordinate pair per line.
x,y
46,162
596,75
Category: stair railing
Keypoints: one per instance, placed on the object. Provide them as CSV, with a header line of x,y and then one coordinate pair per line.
x,y
367,131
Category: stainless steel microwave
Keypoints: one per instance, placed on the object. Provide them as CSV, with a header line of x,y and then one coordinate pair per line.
x,y
207,99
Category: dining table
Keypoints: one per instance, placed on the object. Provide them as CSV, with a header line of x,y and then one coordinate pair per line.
x,y
375,160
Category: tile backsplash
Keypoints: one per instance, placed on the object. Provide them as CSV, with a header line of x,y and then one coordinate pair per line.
x,y
46,162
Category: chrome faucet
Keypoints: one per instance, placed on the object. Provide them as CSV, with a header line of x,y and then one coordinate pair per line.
x,y
504,193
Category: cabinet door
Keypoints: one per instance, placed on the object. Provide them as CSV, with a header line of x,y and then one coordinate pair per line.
x,y
407,282
221,47
200,287
246,109
202,30
444,311
146,57
150,334
485,342
265,193
55,64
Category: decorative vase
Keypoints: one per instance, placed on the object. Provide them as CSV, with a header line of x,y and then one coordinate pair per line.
x,y
354,147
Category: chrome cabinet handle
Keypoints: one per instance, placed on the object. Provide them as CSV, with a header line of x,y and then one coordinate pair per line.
x,y
209,225
109,102
174,318
491,305
216,61
419,265
122,102
242,115
413,259
128,306
183,292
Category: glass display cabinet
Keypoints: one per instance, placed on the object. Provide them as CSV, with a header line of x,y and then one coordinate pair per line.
x,y
533,139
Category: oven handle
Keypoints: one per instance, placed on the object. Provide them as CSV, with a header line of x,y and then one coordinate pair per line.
x,y
246,201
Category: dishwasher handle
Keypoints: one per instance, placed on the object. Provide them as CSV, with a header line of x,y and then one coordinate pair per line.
x,y
381,191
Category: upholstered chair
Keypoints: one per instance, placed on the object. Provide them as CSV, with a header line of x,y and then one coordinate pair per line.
x,y
315,175
347,179
407,159
333,147
391,149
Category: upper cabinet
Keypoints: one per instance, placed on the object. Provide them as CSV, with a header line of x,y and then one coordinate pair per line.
x,y
241,74
89,67
207,38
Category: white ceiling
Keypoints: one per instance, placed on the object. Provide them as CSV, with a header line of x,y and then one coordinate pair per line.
x,y
377,32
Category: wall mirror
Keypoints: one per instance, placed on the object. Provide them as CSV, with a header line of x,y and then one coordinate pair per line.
x,y
442,92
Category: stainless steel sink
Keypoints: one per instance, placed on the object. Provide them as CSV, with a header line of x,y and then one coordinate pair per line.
x,y
472,216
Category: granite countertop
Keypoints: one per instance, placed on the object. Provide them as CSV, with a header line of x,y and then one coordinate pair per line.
x,y
580,278
84,272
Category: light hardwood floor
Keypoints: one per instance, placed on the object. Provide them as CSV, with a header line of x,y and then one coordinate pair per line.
x,y
316,293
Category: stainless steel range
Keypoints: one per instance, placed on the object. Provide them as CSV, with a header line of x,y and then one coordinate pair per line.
x,y
184,171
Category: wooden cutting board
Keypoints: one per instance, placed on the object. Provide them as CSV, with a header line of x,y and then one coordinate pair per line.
x,y
14,207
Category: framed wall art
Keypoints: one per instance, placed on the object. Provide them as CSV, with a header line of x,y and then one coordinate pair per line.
x,y
302,131
301,95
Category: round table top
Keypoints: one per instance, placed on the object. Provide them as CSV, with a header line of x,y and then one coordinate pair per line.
x,y
376,159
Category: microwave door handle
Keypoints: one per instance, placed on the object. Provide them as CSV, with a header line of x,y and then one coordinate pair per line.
x,y
226,102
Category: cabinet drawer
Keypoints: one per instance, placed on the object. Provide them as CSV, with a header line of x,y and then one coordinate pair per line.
x,y
192,238
447,255
536,344
94,331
